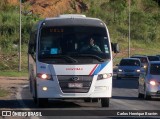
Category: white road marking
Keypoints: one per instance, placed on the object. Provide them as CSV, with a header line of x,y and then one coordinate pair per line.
x,y
20,100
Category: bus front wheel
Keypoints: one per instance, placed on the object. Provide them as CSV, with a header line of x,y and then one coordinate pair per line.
x,y
35,93
42,102
87,100
105,102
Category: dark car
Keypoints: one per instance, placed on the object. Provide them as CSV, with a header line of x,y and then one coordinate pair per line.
x,y
143,58
153,58
129,67
158,56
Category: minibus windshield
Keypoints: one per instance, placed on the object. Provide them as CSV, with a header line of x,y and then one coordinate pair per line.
x,y
73,44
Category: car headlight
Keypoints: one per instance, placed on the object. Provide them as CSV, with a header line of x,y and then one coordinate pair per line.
x,y
145,66
120,70
104,76
153,83
138,70
44,76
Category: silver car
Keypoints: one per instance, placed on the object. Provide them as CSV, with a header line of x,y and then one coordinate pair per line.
x,y
129,67
149,81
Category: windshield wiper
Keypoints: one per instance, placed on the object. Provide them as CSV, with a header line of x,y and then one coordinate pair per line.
x,y
91,55
67,58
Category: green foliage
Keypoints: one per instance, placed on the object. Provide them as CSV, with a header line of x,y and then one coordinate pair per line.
x,y
13,73
6,43
116,7
149,5
9,27
9,35
144,23
3,93
145,28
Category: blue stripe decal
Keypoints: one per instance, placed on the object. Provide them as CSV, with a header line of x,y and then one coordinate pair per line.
x,y
99,68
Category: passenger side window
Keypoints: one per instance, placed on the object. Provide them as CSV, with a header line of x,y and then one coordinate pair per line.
x,y
32,44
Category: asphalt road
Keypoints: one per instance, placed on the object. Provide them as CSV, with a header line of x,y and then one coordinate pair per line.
x,y
124,99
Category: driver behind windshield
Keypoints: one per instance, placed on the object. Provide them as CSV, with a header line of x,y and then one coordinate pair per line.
x,y
91,46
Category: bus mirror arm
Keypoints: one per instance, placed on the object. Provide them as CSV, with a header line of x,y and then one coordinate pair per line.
x,y
30,51
115,47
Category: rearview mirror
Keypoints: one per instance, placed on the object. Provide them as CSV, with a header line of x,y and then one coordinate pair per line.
x,y
115,47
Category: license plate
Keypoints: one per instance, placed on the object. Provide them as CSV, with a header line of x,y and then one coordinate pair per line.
x,y
75,85
129,74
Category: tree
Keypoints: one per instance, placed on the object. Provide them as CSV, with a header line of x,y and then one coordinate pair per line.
x,y
116,7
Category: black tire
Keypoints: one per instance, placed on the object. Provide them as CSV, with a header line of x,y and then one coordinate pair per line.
x,y
94,99
105,102
35,92
30,85
42,102
87,100
35,100
146,97
140,95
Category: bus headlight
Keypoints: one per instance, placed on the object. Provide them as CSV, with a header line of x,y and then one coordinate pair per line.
x,y
44,88
44,76
104,76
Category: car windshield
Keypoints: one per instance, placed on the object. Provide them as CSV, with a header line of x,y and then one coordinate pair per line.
x,y
142,59
155,69
74,44
128,62
153,58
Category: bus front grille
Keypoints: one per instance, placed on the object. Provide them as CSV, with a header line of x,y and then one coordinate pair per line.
x,y
75,84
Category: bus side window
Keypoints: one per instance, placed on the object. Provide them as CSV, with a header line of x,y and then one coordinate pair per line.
x,y
32,44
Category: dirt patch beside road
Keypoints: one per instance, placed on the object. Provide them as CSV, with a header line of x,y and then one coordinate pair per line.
x,y
10,102
11,84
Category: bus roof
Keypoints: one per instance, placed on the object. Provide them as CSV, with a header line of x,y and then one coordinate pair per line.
x,y
71,15
73,20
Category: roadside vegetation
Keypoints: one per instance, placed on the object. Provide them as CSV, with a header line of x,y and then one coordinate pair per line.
x,y
145,28
13,73
144,24
9,38
3,93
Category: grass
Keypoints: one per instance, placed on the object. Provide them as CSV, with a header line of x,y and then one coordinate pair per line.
x,y
3,92
144,29
136,47
13,74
